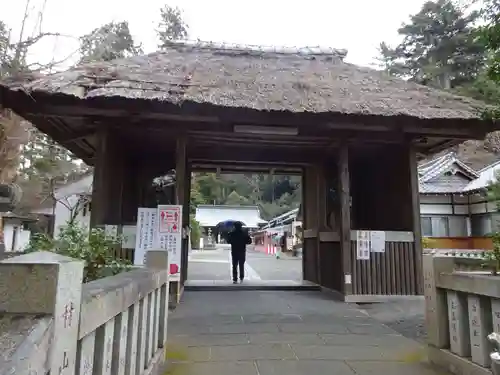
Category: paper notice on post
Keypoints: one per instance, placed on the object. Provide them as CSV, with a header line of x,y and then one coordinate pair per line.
x,y
377,241
363,245
146,233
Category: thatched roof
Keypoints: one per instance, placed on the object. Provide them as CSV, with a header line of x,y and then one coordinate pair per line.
x,y
295,80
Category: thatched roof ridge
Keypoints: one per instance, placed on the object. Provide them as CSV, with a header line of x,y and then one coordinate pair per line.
x,y
268,79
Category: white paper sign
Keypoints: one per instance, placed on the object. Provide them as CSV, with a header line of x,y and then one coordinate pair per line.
x,y
111,230
170,236
377,241
145,234
129,236
363,245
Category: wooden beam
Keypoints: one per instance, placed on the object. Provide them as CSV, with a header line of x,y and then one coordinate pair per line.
x,y
245,143
210,137
255,155
441,146
253,137
135,111
445,132
83,112
245,168
79,135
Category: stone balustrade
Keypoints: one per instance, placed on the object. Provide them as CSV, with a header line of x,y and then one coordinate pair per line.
x,y
462,310
51,322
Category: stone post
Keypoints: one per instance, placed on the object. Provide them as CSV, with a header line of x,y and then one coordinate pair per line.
x,y
436,309
45,283
158,259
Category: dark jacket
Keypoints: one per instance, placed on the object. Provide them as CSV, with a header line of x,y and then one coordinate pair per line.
x,y
239,240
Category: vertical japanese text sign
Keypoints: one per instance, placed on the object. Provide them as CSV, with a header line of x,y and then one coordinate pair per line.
x,y
170,236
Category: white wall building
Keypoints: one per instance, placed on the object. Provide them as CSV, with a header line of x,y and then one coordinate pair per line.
x,y
453,199
71,199
16,234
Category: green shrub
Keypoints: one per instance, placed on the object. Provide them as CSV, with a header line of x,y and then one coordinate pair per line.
x,y
492,257
93,246
195,235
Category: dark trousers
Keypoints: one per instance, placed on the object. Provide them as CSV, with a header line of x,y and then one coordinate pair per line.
x,y
238,262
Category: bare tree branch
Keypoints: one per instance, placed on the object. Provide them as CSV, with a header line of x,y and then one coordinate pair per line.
x,y
37,67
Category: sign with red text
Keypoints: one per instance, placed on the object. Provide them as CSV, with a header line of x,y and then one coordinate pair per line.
x,y
170,236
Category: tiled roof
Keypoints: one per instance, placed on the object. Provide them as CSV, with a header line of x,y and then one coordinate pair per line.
x,y
210,216
430,170
437,188
435,167
486,176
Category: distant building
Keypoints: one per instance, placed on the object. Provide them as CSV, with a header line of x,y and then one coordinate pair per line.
x,y
453,199
210,218
453,203
73,198
16,232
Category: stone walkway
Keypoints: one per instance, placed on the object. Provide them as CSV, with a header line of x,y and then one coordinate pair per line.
x,y
216,265
287,332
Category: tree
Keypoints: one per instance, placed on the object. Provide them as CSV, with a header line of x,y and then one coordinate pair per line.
x,y
44,167
235,199
482,88
108,42
439,47
490,35
486,86
273,194
16,133
171,27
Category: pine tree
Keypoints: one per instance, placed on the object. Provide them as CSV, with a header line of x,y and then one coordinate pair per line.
x,y
171,27
439,47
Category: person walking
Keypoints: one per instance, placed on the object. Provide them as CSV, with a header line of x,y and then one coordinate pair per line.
x,y
238,239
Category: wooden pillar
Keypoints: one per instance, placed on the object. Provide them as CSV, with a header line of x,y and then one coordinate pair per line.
x,y
130,196
321,204
108,182
181,173
311,225
417,231
187,221
303,216
345,216
101,167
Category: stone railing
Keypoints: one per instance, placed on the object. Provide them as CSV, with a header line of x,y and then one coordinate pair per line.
x,y
53,323
457,253
462,310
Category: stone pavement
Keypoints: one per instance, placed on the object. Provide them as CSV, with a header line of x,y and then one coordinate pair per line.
x,y
215,265
405,316
271,333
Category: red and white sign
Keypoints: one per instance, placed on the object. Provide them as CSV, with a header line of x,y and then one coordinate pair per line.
x,y
169,219
170,236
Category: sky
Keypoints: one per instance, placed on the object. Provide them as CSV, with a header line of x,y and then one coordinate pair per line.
x,y
356,25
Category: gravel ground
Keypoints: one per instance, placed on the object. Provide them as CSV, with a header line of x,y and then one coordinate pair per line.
x,y
405,317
